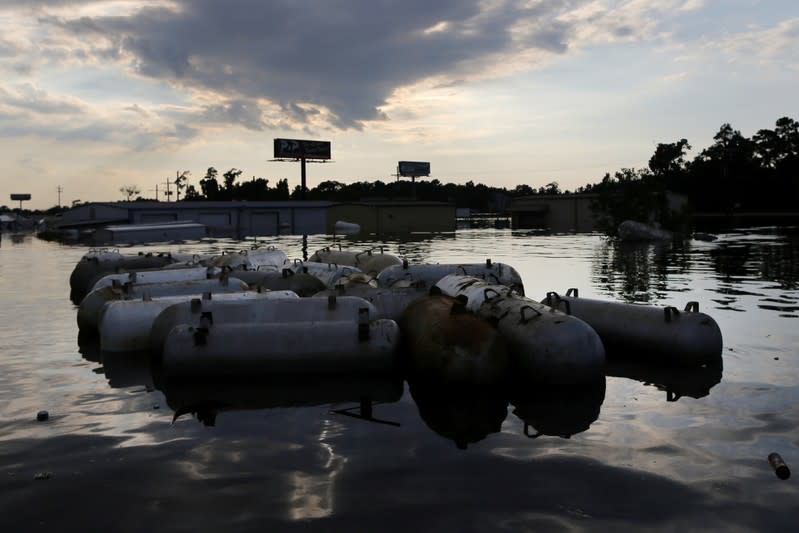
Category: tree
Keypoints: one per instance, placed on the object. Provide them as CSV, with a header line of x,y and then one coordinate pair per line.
x,y
229,177
669,158
209,185
129,191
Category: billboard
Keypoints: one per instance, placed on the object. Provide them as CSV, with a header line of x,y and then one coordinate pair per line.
x,y
299,149
20,197
413,169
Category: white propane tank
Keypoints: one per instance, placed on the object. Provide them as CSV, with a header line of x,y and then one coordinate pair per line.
x,y
338,257
153,276
302,284
374,263
91,306
103,254
389,303
550,346
328,273
425,276
307,348
268,258
125,324
88,270
272,310
646,333
476,291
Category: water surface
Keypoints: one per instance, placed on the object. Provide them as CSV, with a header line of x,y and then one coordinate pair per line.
x,y
649,449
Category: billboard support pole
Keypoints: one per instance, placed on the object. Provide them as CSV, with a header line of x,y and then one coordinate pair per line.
x,y
302,174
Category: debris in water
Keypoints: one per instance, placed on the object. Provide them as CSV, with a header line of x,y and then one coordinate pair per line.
x,y
41,416
43,475
779,466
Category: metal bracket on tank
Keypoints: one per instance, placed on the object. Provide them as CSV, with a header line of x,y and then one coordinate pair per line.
x,y
692,307
363,324
670,312
530,435
489,289
559,301
201,332
573,292
525,320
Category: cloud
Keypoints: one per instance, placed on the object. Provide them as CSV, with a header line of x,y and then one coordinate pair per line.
x,y
776,45
27,97
344,57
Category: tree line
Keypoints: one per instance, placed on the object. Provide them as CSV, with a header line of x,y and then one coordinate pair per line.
x,y
735,173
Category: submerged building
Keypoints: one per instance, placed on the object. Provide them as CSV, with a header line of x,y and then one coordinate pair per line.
x,y
558,213
242,219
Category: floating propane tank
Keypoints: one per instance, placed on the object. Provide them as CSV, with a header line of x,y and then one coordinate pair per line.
x,y
344,347
153,276
302,283
125,325
328,273
425,276
266,258
91,306
646,333
446,343
548,346
338,257
272,310
389,303
371,261
93,266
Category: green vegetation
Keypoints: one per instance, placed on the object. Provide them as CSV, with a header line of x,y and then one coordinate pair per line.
x,y
735,174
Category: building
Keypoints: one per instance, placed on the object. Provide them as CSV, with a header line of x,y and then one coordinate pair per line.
x,y
558,213
242,219
395,218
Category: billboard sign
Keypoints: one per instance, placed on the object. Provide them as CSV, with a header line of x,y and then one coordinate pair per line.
x,y
413,169
20,197
301,149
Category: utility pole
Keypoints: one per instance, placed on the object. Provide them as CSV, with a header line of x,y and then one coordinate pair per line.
x,y
59,189
156,192
168,193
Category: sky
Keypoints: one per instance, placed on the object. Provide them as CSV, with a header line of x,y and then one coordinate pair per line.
x,y
96,95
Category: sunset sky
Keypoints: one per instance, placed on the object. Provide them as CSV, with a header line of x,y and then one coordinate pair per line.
x,y
95,95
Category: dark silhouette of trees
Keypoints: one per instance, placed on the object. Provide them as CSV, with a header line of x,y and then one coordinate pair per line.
x,y
209,185
229,177
129,191
733,174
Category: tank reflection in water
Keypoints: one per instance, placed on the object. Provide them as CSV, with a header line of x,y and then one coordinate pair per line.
x,y
206,398
677,382
558,411
464,414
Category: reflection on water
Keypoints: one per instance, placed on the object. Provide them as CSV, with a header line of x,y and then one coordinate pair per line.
x,y
676,382
333,454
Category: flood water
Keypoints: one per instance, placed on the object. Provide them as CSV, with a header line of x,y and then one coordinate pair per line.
x,y
651,450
